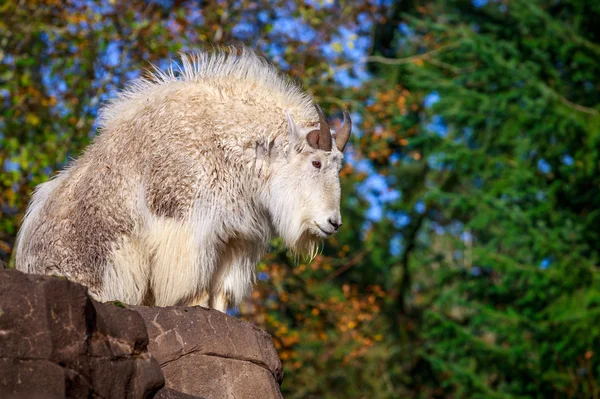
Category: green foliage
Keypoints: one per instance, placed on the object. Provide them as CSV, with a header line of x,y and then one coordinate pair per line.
x,y
482,119
507,253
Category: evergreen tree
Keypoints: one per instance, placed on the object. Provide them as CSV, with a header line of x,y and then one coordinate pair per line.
x,y
501,185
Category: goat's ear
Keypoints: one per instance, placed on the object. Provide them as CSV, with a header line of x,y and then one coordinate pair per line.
x,y
292,128
277,148
295,141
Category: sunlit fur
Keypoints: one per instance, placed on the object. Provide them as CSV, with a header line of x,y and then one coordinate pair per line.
x,y
193,171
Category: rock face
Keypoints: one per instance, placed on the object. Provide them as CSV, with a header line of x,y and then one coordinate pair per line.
x,y
56,342
207,354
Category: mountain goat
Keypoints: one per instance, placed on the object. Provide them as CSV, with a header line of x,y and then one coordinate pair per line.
x,y
192,173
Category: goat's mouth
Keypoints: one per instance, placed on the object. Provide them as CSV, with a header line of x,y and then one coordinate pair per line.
x,y
321,232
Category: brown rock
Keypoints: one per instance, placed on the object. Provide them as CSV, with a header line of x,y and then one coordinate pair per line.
x,y
209,354
168,393
56,342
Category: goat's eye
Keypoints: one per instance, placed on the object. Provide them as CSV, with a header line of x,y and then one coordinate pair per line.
x,y
317,164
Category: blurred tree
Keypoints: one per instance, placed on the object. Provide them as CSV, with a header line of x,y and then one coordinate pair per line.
x,y
500,196
466,266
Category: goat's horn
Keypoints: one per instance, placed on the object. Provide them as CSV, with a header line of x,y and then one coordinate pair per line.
x,y
343,134
324,131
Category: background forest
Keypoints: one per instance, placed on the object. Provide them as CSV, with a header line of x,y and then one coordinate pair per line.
x,y
468,261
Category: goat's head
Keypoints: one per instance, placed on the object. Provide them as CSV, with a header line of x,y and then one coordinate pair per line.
x,y
305,189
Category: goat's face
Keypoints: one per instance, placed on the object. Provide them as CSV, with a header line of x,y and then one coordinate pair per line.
x,y
318,192
305,189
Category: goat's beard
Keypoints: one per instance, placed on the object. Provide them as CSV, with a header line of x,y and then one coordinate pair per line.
x,y
306,246
295,230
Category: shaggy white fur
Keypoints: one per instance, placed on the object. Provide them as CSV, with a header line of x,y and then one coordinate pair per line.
x,y
193,171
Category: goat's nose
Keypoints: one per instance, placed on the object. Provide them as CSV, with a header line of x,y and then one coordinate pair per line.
x,y
336,225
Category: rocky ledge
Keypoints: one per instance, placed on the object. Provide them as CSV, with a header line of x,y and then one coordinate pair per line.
x,y
208,354
56,342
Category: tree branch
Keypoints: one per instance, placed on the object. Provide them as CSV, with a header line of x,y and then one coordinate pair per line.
x,y
413,58
352,262
567,102
400,61
411,240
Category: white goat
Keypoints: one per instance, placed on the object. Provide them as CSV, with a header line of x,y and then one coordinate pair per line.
x,y
192,173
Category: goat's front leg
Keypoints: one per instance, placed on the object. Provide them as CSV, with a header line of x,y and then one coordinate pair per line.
x,y
200,300
219,301
233,277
